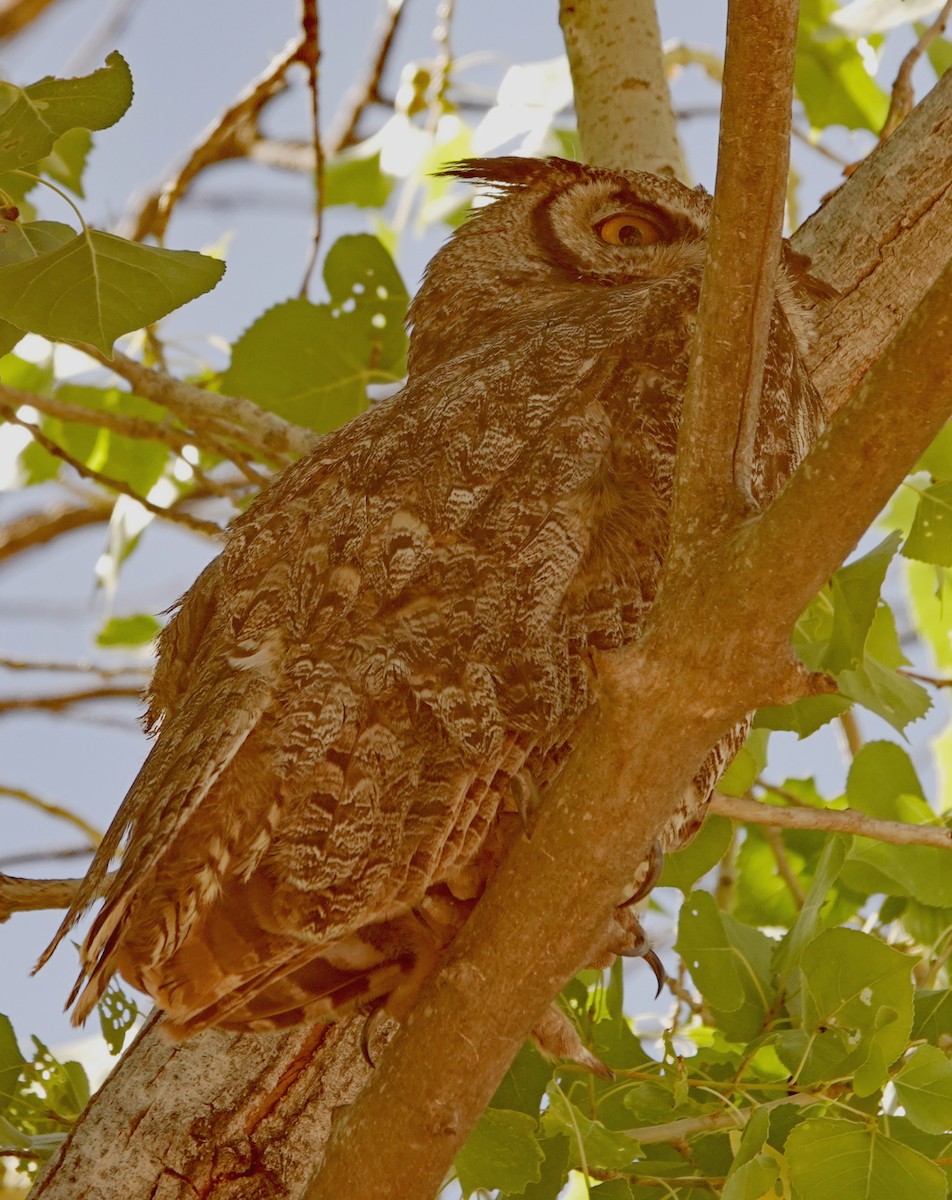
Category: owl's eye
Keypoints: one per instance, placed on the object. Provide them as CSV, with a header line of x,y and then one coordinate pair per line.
x,y
629,229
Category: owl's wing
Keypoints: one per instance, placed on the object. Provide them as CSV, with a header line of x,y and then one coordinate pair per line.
x,y
346,692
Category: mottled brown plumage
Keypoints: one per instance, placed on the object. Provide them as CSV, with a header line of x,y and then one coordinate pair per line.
x,y
392,656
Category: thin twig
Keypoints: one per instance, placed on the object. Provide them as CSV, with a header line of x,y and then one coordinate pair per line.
x,y
139,428
44,854
784,870
32,895
366,90
54,810
230,135
903,96
310,56
441,64
76,668
66,700
38,528
17,14
677,1131
117,485
851,733
843,820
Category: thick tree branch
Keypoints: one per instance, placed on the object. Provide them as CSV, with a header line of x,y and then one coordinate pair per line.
x,y
881,241
625,119
831,820
722,401
33,895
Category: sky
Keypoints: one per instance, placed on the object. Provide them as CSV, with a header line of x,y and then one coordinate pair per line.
x,y
188,61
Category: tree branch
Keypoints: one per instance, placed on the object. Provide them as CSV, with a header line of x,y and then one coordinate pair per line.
x,y
38,528
90,832
230,135
625,119
738,290
677,1131
33,895
881,241
230,417
64,700
366,90
903,97
831,820
196,524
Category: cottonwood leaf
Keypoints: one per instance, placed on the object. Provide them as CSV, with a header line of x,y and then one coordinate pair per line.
x,y
355,177
26,240
137,630
66,162
502,1151
36,116
930,539
683,868
856,993
98,286
924,1088
830,77
841,1160
311,363
730,965
588,1139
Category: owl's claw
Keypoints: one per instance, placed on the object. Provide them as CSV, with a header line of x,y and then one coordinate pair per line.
x,y
366,1032
657,966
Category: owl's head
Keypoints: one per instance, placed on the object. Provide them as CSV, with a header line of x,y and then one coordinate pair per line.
x,y
556,231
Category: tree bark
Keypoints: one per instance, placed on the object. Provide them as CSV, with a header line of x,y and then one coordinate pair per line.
x,y
229,1116
622,103
882,241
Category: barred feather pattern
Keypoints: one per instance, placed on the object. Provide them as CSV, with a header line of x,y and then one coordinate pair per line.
x,y
394,649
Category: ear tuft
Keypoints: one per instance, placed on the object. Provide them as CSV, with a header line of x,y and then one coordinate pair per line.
x,y
510,171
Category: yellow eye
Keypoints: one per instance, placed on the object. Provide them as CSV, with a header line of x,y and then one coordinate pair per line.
x,y
629,229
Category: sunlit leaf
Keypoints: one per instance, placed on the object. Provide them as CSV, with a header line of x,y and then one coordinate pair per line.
x,y
930,539
97,286
37,115
924,1088
501,1152
683,868
67,160
138,630
840,1160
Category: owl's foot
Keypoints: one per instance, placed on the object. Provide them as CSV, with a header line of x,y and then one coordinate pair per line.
x,y
626,937
557,1037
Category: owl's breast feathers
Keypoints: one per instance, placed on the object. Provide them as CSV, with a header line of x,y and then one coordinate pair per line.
x,y
396,628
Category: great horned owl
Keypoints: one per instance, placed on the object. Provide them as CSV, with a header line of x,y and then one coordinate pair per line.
x,y
359,699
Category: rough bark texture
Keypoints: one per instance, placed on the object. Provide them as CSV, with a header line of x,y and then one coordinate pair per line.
x,y
229,1116
883,241
622,103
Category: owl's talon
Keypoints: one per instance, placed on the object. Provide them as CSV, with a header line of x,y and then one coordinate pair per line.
x,y
657,966
366,1032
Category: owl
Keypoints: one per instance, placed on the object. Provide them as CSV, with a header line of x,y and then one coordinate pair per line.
x,y
363,699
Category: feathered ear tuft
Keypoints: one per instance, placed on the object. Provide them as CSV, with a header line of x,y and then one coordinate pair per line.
x,y
510,171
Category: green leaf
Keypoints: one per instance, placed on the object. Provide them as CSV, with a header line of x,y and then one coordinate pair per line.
x,y
809,920
503,1151
746,765
67,160
754,1180
683,868
97,286
589,1140
930,539
37,115
117,1014
31,239
524,1084
883,783
311,363
804,716
830,77
840,1160
9,336
730,965
857,996
129,631
355,177
924,1088
930,598
855,596
933,1015
11,1063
